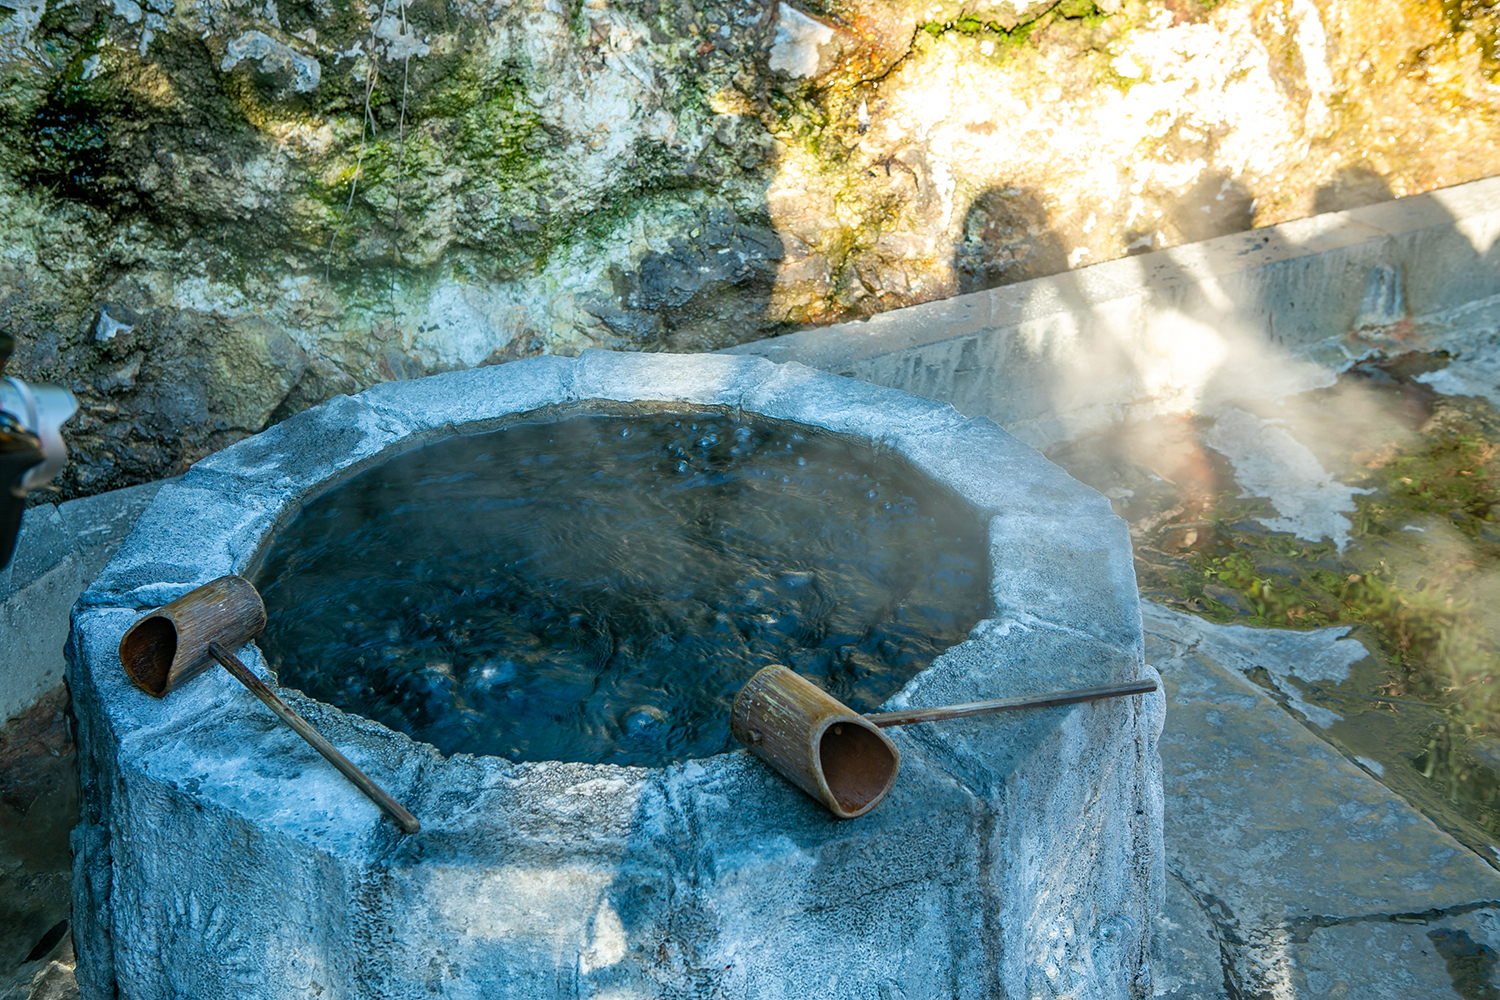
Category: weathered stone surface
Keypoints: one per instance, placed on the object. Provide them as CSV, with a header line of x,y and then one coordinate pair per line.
x,y
472,397
1317,881
1032,556
322,446
53,561
43,543
43,579
1389,960
1188,957
1017,855
99,524
195,531
59,550
218,216
38,804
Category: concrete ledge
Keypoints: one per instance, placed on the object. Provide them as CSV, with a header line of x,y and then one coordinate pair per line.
x,y
60,549
1165,331
1293,873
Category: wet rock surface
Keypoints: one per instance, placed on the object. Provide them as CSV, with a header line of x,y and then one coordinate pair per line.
x,y
38,806
214,219
1309,877
1368,503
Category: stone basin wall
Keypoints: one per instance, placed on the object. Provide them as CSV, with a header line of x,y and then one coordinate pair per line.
x,y
1017,856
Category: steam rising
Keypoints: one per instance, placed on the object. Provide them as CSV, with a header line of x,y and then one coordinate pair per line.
x,y
1346,476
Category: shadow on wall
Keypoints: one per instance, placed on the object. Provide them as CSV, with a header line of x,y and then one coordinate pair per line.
x,y
1352,187
1206,343
1216,205
1007,234
712,288
1192,334
1006,238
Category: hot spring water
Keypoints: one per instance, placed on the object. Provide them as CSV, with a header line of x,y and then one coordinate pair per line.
x,y
599,588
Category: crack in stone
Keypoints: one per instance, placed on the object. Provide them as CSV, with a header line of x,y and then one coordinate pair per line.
x,y
1303,928
1299,931
1226,936
994,947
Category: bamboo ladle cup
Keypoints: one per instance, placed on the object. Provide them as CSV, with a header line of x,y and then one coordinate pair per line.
x,y
178,641
842,758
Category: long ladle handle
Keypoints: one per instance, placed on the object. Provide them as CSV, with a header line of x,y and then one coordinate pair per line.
x,y
914,715
405,820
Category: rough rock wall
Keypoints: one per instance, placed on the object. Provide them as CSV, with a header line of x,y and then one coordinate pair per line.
x,y
216,214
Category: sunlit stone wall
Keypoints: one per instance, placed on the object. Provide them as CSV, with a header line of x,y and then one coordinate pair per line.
x,y
214,214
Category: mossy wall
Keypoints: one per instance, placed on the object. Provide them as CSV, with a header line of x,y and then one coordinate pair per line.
x,y
215,214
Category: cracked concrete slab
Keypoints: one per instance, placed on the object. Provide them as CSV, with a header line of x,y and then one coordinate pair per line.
x,y
59,550
1303,866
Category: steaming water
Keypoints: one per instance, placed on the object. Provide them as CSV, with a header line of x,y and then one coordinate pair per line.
x,y
598,589
1404,485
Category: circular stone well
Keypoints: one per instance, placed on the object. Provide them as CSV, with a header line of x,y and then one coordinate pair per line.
x,y
1017,856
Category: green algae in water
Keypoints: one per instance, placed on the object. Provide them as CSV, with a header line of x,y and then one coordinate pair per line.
x,y
599,588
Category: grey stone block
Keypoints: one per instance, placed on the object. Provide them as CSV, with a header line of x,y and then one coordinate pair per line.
x,y
42,544
1297,855
1189,960
1044,765
471,398
1373,960
842,405
1075,352
194,531
705,379
100,523
58,552
316,449
998,472
45,574
34,622
1010,660
1070,572
1014,857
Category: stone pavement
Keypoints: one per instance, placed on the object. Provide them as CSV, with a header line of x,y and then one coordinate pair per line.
x,y
61,548
1292,872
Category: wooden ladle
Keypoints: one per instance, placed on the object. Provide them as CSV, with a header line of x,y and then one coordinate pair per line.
x,y
842,758
178,641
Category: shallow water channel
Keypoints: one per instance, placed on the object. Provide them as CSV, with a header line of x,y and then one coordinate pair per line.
x,y
598,589
1416,579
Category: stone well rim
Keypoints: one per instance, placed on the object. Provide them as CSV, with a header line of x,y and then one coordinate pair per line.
x,y
247,493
